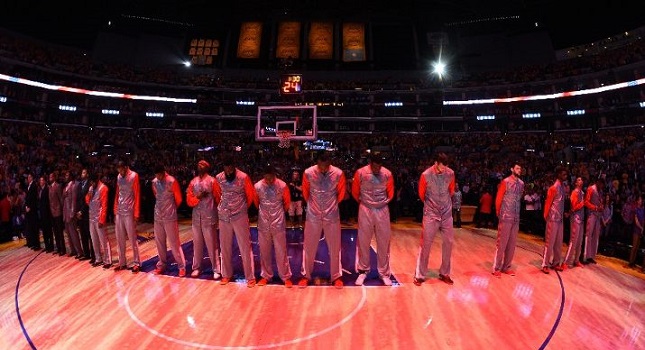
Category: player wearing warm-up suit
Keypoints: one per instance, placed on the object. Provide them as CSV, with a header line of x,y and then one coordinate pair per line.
x,y
70,192
234,194
126,215
373,189
553,215
272,199
436,187
97,200
595,207
200,195
323,187
168,197
577,225
508,204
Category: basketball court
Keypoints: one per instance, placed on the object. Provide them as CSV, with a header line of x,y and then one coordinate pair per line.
x,y
51,302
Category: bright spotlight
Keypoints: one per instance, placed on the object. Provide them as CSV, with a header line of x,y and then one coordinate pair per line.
x,y
187,63
439,68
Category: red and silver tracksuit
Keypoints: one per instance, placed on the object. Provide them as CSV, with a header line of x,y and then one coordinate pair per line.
x,y
508,204
126,213
70,194
234,198
322,192
97,200
373,192
553,215
436,187
272,201
593,203
168,198
204,220
576,226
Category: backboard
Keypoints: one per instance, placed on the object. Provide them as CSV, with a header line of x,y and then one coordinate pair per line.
x,y
299,120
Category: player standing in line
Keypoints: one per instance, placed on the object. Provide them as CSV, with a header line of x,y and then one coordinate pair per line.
x,y
373,189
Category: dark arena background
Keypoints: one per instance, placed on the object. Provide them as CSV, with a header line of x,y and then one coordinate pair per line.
x,y
84,85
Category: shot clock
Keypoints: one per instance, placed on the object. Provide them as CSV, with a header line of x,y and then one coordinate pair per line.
x,y
290,84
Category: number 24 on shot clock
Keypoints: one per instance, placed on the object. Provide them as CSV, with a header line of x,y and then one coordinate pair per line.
x,y
290,84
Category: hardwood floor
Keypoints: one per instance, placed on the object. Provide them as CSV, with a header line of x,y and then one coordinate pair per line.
x,y
52,302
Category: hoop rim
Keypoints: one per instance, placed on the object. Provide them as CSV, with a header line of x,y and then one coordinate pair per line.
x,y
284,138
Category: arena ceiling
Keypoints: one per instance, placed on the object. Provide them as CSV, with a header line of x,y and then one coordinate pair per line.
x,y
77,22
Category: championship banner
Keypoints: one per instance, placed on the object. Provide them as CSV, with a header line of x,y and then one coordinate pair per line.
x,y
321,41
353,42
288,40
250,38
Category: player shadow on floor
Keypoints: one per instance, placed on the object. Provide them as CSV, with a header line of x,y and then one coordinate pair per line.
x,y
320,274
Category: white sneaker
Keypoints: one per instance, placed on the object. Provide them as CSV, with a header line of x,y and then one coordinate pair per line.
x,y
361,279
216,275
386,281
195,273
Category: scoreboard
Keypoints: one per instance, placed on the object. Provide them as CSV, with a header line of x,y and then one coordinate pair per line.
x,y
290,84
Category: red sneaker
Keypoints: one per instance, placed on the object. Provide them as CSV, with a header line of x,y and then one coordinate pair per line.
x,y
338,284
446,279
509,272
262,282
303,283
288,283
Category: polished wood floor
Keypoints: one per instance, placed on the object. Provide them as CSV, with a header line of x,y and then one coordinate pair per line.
x,y
52,302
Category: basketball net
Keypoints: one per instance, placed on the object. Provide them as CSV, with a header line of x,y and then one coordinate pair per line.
x,y
284,138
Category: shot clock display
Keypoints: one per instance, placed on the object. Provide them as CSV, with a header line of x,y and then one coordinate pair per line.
x,y
290,84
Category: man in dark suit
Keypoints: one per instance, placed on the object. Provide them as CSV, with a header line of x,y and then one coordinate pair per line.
x,y
45,215
56,210
31,214
83,216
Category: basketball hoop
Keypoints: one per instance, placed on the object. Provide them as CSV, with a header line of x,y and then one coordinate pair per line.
x,y
284,136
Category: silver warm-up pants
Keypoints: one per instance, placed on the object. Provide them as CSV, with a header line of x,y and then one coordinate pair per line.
x,y
168,230
269,239
553,244
506,241
204,233
239,227
313,232
373,222
126,229
101,243
432,225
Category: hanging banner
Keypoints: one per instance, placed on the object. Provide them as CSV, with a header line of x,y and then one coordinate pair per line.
x,y
321,41
288,40
353,42
250,39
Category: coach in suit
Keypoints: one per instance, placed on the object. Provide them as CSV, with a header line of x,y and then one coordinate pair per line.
x,y
31,214
56,210
45,215
83,216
